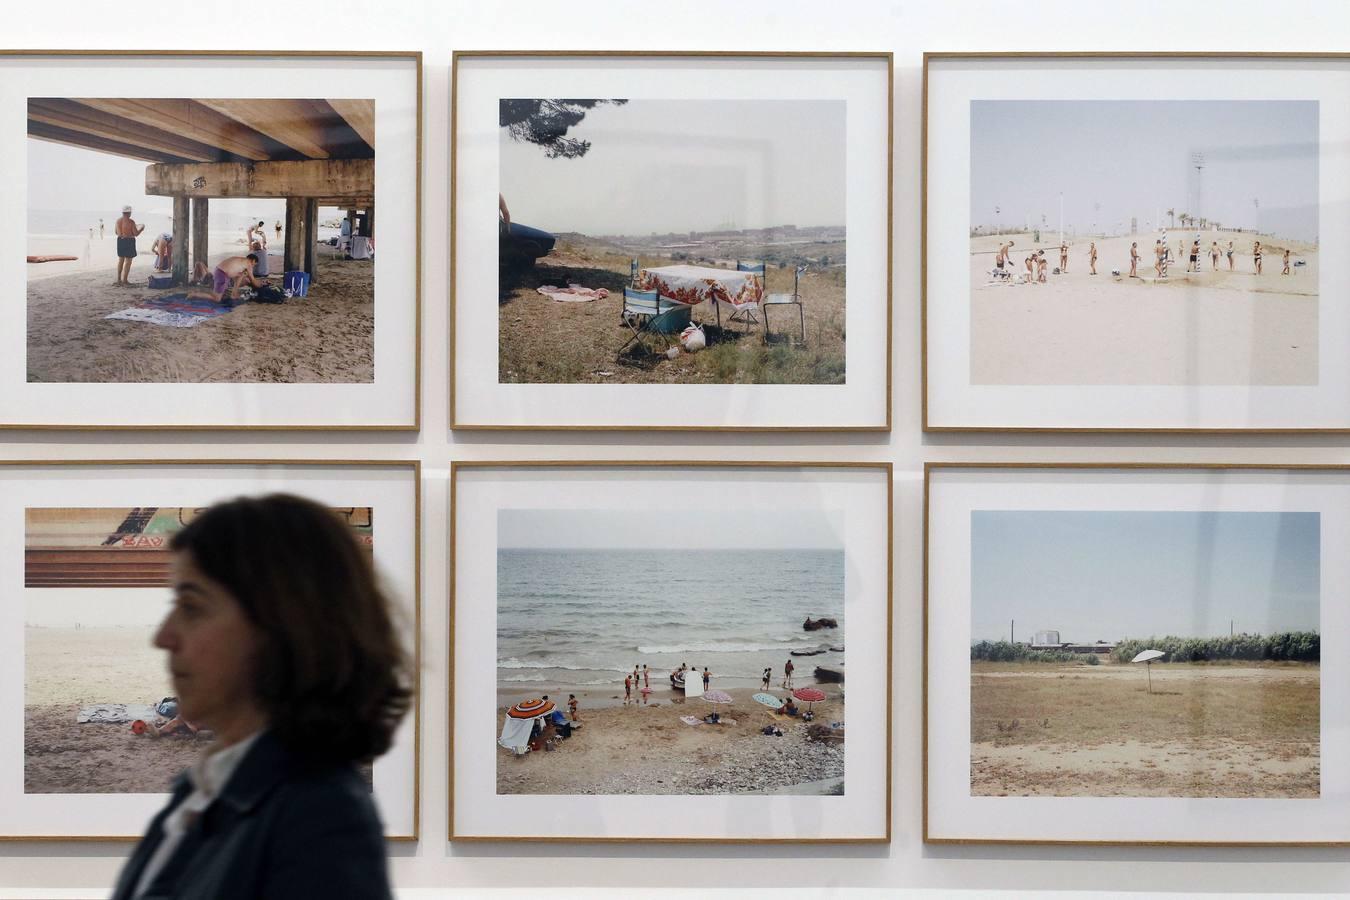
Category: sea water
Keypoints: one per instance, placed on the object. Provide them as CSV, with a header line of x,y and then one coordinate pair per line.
x,y
585,617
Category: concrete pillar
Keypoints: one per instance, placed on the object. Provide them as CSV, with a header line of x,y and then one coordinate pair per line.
x,y
311,234
200,209
180,240
295,235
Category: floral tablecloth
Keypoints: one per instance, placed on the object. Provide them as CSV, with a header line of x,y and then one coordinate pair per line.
x,y
692,285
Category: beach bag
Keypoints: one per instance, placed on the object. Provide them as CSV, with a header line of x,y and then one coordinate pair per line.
x,y
268,294
168,707
692,338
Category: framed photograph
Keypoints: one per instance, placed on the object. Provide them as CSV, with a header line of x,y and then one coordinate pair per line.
x,y
200,239
1131,242
685,243
1132,654
668,646
86,563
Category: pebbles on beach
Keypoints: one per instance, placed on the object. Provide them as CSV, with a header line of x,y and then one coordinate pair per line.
x,y
648,750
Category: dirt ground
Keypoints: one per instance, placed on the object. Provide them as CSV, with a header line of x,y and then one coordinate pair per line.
x,y
326,337
541,340
1222,730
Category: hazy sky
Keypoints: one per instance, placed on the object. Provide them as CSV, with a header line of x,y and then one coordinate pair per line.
x,y
73,179
685,165
1111,575
653,524
1134,158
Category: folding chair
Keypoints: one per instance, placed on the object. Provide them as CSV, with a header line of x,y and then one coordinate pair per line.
x,y
792,299
642,311
745,312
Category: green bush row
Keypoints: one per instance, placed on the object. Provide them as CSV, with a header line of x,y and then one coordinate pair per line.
x,y
1297,646
1006,651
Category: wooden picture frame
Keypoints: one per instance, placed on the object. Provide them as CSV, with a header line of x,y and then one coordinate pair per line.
x,y
1095,638
1211,336
575,519
89,588
184,139
596,365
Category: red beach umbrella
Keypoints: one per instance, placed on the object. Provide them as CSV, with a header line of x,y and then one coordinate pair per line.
x,y
809,695
530,709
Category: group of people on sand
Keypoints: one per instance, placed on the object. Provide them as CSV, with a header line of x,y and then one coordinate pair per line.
x,y
630,684
226,279
1037,265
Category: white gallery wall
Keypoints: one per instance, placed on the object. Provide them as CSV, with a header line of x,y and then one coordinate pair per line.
x,y
906,28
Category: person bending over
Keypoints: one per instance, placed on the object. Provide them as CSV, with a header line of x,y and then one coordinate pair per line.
x,y
231,274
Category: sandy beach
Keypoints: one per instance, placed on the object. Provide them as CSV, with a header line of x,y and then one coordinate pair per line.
x,y
1214,327
1224,730
67,668
326,337
640,749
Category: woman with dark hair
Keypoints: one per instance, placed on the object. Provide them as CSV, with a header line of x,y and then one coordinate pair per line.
x,y
281,643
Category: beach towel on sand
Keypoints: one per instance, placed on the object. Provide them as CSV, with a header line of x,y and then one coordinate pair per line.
x,y
115,713
516,734
691,720
573,293
172,310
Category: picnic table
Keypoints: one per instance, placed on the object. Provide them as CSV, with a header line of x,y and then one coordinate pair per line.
x,y
691,285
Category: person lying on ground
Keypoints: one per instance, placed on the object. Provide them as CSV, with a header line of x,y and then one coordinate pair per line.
x,y
176,725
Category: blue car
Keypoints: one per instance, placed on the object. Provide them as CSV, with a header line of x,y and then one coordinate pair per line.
x,y
520,245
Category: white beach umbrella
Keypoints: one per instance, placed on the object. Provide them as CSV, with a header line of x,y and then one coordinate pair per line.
x,y
1147,657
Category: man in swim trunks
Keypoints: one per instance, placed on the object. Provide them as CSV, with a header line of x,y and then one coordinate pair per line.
x,y
162,248
1002,259
1134,259
229,276
1092,258
1194,264
126,230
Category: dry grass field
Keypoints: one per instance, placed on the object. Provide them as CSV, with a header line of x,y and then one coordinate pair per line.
x,y
1206,730
541,340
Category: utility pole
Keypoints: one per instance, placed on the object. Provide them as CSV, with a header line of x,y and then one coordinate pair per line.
x,y
1198,161
1012,631
1061,218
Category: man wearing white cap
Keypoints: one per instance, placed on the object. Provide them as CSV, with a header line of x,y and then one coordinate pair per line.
x,y
126,230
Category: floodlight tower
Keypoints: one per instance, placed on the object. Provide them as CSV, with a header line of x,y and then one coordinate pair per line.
x,y
1198,162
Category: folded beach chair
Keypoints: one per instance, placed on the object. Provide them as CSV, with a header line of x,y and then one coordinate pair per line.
x,y
646,313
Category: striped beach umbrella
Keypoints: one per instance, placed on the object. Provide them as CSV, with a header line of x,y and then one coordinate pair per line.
x,y
717,696
530,709
809,695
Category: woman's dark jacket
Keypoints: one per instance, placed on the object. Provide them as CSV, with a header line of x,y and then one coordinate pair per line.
x,y
279,829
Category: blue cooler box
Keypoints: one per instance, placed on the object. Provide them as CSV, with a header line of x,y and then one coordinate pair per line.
x,y
161,281
297,283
